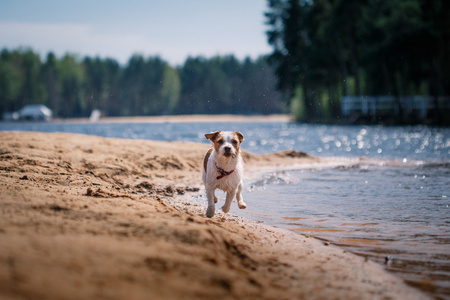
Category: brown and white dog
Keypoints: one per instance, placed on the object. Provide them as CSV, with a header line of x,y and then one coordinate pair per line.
x,y
223,169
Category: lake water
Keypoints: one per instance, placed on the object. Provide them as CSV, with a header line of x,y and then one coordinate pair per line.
x,y
384,195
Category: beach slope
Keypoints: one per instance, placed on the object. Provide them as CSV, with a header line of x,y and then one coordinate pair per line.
x,y
85,217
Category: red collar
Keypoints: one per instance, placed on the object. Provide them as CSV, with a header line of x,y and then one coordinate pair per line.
x,y
222,172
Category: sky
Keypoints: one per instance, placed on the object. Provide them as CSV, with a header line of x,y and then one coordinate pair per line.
x,y
172,29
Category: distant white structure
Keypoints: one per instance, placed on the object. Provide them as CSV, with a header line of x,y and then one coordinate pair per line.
x,y
95,115
366,105
35,112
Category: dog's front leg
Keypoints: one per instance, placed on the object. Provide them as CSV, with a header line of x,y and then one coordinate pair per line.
x,y
240,201
210,195
228,200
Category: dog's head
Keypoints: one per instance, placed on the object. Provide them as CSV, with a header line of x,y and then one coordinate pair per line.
x,y
226,143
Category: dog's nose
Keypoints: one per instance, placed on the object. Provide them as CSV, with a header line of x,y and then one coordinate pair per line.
x,y
227,149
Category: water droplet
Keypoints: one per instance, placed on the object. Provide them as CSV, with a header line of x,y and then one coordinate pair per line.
x,y
405,160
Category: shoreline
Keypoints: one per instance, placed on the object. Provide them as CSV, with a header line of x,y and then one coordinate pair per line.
x,y
184,119
92,217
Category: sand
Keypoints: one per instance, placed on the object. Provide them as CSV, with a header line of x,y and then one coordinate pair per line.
x,y
85,217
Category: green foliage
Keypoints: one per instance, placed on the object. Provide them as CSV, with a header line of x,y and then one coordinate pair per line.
x,y
297,104
170,90
20,80
12,79
359,47
144,86
71,78
51,83
223,85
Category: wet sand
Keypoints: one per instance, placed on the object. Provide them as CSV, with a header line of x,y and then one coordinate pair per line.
x,y
85,217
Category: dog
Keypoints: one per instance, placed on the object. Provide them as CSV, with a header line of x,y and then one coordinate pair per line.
x,y
223,169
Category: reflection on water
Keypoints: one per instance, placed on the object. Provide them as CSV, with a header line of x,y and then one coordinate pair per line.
x,y
397,215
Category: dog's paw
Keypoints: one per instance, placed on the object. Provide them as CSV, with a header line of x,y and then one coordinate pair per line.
x,y
210,211
242,205
225,208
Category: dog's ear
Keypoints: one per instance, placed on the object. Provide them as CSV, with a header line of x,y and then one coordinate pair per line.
x,y
211,136
240,136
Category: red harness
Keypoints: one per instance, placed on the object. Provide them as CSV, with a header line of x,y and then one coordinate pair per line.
x,y
222,172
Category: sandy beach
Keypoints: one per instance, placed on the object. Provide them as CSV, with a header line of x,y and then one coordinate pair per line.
x,y
86,217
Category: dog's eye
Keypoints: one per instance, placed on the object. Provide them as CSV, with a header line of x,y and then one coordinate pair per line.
x,y
220,142
234,142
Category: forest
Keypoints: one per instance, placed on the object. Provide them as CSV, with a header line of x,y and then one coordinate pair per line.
x,y
323,50
326,49
73,87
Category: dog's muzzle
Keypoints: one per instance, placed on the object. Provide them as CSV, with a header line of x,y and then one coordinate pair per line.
x,y
227,151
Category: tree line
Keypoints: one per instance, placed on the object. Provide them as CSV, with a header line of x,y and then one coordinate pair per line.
x,y
322,50
326,49
73,87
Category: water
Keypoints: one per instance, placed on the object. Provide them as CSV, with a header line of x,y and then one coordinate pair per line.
x,y
397,143
372,209
385,195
